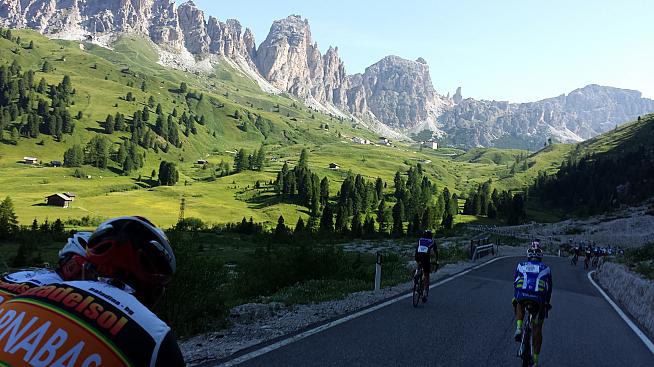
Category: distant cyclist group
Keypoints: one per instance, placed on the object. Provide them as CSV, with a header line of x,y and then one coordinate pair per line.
x,y
594,255
95,307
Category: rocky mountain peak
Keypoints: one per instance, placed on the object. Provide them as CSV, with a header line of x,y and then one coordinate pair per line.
x,y
191,20
457,97
400,93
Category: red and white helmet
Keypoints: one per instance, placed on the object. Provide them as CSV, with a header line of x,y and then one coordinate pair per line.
x,y
132,250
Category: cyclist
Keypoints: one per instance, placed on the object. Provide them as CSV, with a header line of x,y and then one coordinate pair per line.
x,y
588,253
423,251
94,323
575,255
532,283
69,267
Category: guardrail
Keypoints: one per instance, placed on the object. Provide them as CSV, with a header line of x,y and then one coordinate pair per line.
x,y
481,247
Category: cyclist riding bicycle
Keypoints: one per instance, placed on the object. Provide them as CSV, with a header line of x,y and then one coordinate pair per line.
x,y
94,323
69,267
425,247
588,253
532,283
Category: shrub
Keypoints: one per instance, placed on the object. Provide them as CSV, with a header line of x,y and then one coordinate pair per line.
x,y
194,302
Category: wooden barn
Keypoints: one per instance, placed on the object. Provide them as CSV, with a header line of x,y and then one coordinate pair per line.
x,y
59,200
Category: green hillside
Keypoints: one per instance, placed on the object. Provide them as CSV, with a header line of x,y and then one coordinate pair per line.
x,y
102,78
604,173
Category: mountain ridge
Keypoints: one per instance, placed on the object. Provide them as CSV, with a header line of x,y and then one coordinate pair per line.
x,y
394,97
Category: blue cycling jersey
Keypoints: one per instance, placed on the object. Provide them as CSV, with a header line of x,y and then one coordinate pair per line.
x,y
533,281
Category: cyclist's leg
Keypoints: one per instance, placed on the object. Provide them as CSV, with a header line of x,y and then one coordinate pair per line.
x,y
537,328
519,317
426,269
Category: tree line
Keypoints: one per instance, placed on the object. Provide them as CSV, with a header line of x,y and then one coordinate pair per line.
x,y
597,183
510,207
29,108
361,207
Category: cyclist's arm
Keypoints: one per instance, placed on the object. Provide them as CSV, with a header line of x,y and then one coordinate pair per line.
x,y
169,354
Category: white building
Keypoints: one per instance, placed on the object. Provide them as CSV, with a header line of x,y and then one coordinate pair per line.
x,y
384,141
430,144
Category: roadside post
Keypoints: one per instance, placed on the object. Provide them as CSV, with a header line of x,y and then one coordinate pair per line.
x,y
378,271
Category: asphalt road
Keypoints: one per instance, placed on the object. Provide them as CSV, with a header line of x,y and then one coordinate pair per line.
x,y
469,322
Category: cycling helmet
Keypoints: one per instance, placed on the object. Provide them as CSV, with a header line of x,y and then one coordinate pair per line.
x,y
427,234
75,245
72,257
134,251
534,253
535,244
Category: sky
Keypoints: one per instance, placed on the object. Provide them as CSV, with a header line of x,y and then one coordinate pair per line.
x,y
516,50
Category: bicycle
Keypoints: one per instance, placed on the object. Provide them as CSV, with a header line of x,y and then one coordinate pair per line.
x,y
573,260
418,287
524,351
586,263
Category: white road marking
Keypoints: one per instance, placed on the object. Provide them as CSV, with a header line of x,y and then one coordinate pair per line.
x,y
329,325
648,343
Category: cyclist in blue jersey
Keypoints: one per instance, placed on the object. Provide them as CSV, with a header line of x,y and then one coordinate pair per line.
x,y
422,256
532,283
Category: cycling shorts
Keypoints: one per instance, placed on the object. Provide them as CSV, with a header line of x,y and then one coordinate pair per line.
x,y
541,312
424,262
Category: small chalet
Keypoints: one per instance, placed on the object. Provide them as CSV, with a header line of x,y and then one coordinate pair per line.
x,y
384,141
71,195
201,161
60,200
55,163
30,160
334,166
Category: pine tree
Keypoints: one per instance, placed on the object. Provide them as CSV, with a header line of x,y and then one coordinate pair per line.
x,y
109,125
74,156
357,226
299,227
324,191
304,158
260,159
8,219
398,216
241,161
168,174
281,231
327,220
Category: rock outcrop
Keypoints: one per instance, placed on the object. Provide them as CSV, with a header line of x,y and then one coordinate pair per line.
x,y
394,93
582,114
400,93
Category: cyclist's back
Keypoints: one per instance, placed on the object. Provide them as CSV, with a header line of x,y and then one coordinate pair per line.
x,y
16,283
83,323
68,268
533,281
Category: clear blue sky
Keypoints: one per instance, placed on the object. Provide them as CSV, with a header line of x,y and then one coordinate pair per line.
x,y
517,50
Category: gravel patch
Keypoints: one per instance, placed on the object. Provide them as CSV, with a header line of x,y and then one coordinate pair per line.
x,y
255,323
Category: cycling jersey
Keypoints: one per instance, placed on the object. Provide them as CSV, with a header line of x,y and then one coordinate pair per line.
x,y
533,281
83,323
425,245
14,284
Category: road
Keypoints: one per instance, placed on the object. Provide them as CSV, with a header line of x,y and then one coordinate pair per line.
x,y
469,322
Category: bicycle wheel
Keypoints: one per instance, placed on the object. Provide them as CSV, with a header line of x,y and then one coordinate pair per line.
x,y
417,293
